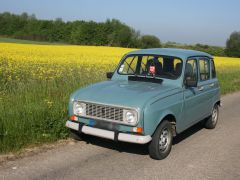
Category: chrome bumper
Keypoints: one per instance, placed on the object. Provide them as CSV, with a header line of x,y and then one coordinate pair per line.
x,y
131,138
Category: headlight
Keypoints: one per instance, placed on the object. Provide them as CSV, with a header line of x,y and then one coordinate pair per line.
x,y
79,108
130,116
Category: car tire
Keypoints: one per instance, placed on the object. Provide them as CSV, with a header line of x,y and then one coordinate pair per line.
x,y
211,121
161,144
76,135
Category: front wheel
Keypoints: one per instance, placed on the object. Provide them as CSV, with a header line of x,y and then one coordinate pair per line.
x,y
161,143
211,121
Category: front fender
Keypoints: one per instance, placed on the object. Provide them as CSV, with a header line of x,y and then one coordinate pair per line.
x,y
155,111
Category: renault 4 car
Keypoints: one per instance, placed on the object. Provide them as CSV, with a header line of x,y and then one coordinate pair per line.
x,y
152,96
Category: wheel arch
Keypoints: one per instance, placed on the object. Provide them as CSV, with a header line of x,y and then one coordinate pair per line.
x,y
170,118
219,103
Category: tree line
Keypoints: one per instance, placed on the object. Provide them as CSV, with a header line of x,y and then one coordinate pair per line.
x,y
108,33
232,48
112,32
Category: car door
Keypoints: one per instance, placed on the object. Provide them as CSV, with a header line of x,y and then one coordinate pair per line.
x,y
205,87
192,95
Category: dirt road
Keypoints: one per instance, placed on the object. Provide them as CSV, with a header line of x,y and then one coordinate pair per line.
x,y
197,153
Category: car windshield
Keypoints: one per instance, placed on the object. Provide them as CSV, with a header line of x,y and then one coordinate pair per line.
x,y
152,66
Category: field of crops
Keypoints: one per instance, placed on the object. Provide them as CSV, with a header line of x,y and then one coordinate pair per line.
x,y
36,81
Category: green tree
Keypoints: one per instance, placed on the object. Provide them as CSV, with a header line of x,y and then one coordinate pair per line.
x,y
119,33
110,33
149,41
233,45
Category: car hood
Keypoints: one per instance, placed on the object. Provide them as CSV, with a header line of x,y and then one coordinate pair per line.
x,y
124,93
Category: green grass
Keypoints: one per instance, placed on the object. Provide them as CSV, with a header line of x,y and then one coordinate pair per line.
x,y
21,41
229,81
35,112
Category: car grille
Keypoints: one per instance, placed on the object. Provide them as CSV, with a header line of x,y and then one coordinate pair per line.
x,y
104,112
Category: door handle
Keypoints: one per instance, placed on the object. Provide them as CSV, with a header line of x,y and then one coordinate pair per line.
x,y
200,88
211,85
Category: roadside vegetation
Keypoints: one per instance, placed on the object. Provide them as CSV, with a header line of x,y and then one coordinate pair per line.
x,y
37,80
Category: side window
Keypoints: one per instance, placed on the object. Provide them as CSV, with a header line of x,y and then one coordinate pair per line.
x,y
191,70
129,66
213,69
204,69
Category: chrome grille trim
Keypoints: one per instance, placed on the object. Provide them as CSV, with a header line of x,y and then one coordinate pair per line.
x,y
104,112
113,113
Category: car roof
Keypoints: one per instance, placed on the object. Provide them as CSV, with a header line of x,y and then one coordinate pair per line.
x,y
180,53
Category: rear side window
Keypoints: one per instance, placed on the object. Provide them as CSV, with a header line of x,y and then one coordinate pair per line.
x,y
204,69
213,69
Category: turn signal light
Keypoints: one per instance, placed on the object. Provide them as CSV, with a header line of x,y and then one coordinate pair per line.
x,y
74,118
137,129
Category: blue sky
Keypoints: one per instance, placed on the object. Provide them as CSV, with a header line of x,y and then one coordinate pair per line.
x,y
184,21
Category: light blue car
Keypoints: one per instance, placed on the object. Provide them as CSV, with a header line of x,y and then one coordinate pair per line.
x,y
153,95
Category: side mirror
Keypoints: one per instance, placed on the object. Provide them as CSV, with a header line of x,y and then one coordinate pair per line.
x,y
189,82
109,75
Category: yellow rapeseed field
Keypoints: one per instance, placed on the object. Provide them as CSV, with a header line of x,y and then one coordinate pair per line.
x,y
37,80
50,61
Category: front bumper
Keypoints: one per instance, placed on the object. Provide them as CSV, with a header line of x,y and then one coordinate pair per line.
x,y
131,138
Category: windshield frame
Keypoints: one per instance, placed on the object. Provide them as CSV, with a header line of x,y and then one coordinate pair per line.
x,y
149,76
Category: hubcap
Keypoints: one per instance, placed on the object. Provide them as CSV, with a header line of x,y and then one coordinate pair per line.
x,y
214,115
164,139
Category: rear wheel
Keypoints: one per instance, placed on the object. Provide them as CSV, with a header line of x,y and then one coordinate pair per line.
x,y
211,121
161,143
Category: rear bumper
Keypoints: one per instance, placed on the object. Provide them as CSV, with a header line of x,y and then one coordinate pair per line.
x,y
131,138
